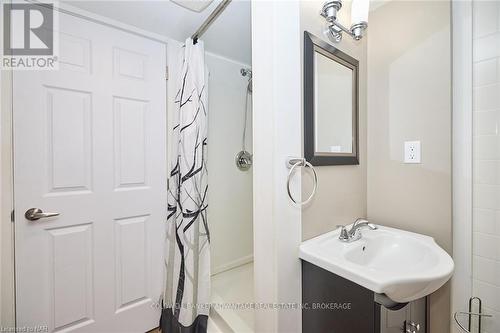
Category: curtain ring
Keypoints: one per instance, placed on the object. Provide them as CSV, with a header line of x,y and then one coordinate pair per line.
x,y
292,163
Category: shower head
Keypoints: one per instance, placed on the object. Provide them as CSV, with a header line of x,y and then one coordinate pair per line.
x,y
247,72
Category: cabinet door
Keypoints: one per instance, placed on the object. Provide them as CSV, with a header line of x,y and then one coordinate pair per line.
x,y
409,319
417,311
393,321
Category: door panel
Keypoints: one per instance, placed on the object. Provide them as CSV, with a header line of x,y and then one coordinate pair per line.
x,y
69,115
90,144
71,273
131,261
130,146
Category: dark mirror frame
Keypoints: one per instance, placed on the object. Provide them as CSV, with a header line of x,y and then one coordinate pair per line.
x,y
311,45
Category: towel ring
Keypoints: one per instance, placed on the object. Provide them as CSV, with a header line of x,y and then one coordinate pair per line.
x,y
292,163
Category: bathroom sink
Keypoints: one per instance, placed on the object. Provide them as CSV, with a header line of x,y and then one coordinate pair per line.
x,y
403,265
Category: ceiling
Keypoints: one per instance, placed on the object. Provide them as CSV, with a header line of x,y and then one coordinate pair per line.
x,y
228,36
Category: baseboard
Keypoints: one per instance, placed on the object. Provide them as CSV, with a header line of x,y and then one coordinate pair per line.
x,y
235,263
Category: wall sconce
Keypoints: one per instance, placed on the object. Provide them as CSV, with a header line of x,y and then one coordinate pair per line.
x,y
359,18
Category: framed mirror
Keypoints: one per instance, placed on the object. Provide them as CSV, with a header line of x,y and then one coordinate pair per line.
x,y
330,104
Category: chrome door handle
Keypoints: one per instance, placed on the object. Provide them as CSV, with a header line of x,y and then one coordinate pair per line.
x,y
34,214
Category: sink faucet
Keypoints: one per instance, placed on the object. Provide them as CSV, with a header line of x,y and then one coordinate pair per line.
x,y
354,234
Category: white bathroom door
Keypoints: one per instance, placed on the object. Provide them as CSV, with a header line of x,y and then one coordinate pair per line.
x,y
90,144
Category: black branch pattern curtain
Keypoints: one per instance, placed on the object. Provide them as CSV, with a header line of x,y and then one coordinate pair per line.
x,y
186,299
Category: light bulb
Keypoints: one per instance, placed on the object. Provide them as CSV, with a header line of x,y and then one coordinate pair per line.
x,y
359,11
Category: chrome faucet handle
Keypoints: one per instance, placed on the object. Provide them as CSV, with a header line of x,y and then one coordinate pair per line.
x,y
344,236
354,233
360,220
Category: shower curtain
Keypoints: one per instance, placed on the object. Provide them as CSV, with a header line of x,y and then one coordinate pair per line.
x,y
186,298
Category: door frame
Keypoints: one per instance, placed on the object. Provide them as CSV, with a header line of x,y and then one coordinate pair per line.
x,y
7,150
277,120
7,276
461,283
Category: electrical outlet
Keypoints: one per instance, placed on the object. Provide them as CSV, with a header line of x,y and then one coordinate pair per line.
x,y
412,152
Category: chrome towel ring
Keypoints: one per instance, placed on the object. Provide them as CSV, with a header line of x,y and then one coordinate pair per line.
x,y
292,163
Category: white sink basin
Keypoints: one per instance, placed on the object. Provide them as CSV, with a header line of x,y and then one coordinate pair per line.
x,y
403,265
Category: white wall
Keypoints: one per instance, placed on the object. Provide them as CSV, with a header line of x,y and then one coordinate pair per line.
x,y
409,98
486,160
230,190
341,194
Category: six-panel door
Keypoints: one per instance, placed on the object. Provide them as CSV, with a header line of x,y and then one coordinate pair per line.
x,y
90,144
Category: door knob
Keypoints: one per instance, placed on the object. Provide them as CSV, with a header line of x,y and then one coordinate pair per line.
x,y
34,214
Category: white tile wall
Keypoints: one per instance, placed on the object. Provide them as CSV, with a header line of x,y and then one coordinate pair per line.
x,y
486,47
486,246
487,97
491,324
486,196
487,147
485,72
486,18
487,172
486,122
486,179
486,270
490,294
486,221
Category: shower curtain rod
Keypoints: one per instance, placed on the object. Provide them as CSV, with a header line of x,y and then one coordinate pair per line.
x,y
204,26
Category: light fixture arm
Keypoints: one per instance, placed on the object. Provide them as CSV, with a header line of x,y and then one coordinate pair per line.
x,y
335,28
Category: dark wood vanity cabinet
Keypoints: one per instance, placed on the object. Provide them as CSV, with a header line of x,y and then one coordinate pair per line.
x,y
336,305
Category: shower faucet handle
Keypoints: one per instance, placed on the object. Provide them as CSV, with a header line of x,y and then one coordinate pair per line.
x,y
243,160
